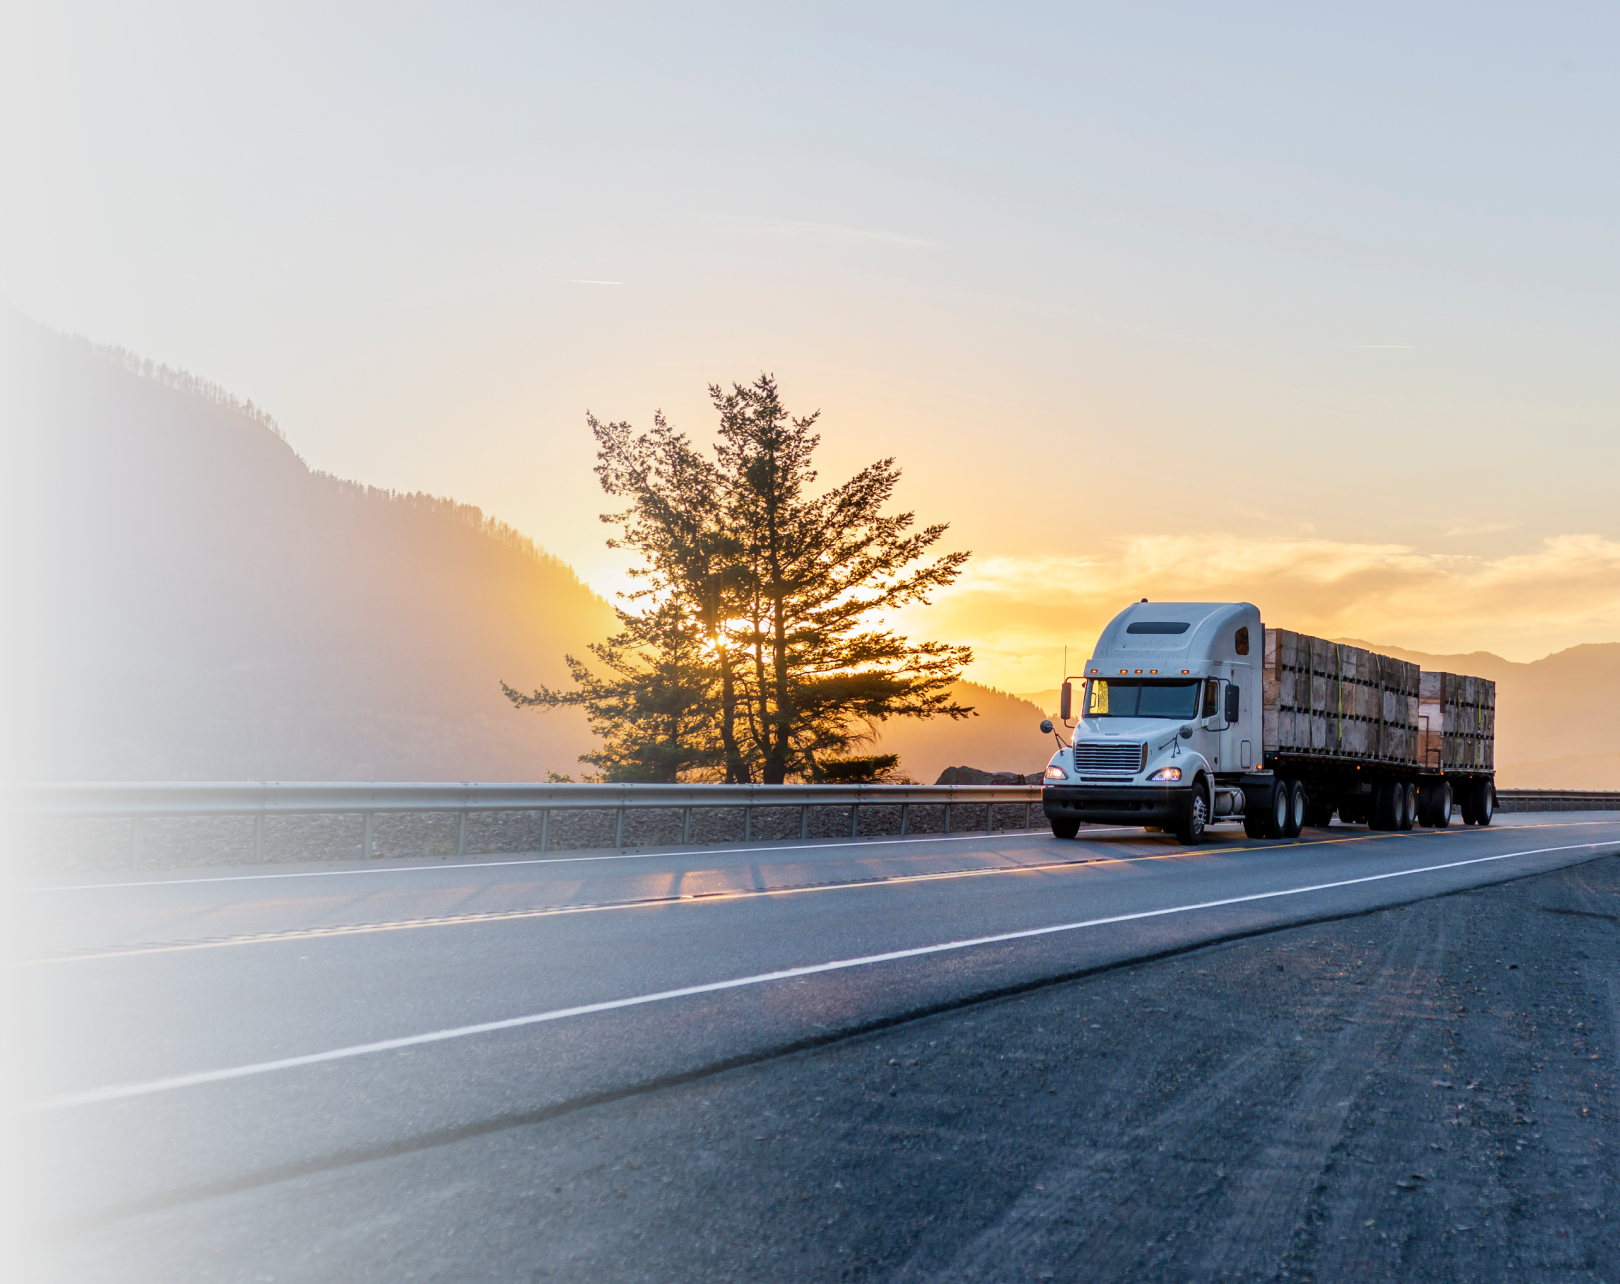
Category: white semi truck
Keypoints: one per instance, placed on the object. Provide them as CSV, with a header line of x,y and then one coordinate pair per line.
x,y
1193,713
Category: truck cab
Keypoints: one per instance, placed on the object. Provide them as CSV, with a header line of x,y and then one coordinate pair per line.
x,y
1166,720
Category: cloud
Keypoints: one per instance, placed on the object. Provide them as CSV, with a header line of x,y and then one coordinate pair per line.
x,y
1019,612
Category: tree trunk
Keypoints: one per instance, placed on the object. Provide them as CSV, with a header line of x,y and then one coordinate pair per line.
x,y
736,769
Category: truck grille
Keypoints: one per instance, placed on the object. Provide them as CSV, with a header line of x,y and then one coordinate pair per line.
x,y
1108,758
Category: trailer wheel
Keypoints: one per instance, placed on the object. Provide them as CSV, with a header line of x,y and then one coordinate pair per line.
x,y
1064,827
1465,802
1191,828
1408,805
1440,805
1396,807
1381,809
1484,802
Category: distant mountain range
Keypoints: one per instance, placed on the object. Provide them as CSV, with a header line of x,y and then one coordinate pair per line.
x,y
193,602
1553,715
186,599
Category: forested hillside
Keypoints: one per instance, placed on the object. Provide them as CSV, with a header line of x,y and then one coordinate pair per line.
x,y
188,600
1003,735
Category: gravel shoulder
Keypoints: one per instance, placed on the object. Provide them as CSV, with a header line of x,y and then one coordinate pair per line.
x,y
1426,1092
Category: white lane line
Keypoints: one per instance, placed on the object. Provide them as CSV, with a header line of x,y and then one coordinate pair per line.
x,y
122,1091
830,845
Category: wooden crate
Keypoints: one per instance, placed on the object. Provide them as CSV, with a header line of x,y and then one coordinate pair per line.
x,y
1325,699
1457,722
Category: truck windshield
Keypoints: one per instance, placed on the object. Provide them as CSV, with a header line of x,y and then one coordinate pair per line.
x,y
1134,699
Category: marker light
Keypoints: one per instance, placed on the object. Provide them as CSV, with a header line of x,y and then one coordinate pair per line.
x,y
1055,772
1166,773
1152,670
1186,670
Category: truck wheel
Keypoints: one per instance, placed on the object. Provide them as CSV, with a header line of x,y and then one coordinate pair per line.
x,y
1065,828
1465,802
1318,815
1409,805
1484,802
1298,801
1425,804
1277,814
1440,807
1196,817
1254,825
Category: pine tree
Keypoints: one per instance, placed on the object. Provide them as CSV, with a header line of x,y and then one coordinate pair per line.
x,y
819,567
748,649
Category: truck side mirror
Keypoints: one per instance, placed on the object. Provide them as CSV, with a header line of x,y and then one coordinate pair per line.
x,y
1046,726
1066,702
1231,702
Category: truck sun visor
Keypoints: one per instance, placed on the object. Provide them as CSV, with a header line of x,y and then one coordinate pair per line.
x,y
1157,626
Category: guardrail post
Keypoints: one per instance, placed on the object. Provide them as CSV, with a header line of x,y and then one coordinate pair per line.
x,y
989,819
1029,816
853,808
545,830
618,829
365,843
947,817
904,809
686,824
258,838
461,833
804,820
748,823
134,842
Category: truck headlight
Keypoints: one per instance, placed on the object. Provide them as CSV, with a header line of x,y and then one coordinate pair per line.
x,y
1166,773
1055,772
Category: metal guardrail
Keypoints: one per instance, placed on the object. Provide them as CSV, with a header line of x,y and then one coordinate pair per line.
x,y
1557,800
135,801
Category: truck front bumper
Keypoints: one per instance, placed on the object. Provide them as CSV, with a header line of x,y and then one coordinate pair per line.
x,y
1117,804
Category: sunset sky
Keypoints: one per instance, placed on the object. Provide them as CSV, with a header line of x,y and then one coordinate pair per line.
x,y
1311,308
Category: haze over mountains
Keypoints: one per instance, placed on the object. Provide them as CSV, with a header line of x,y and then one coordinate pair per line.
x,y
190,601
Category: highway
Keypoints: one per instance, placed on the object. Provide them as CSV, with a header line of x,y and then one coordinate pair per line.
x,y
209,1048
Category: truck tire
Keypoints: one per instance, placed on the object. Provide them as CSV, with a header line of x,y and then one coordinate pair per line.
x,y
1409,805
1381,809
1190,829
1065,828
1298,802
1318,815
1397,805
1425,797
1277,815
1484,792
1465,802
1440,804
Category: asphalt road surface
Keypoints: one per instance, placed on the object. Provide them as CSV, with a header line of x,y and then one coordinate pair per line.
x,y
942,1057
